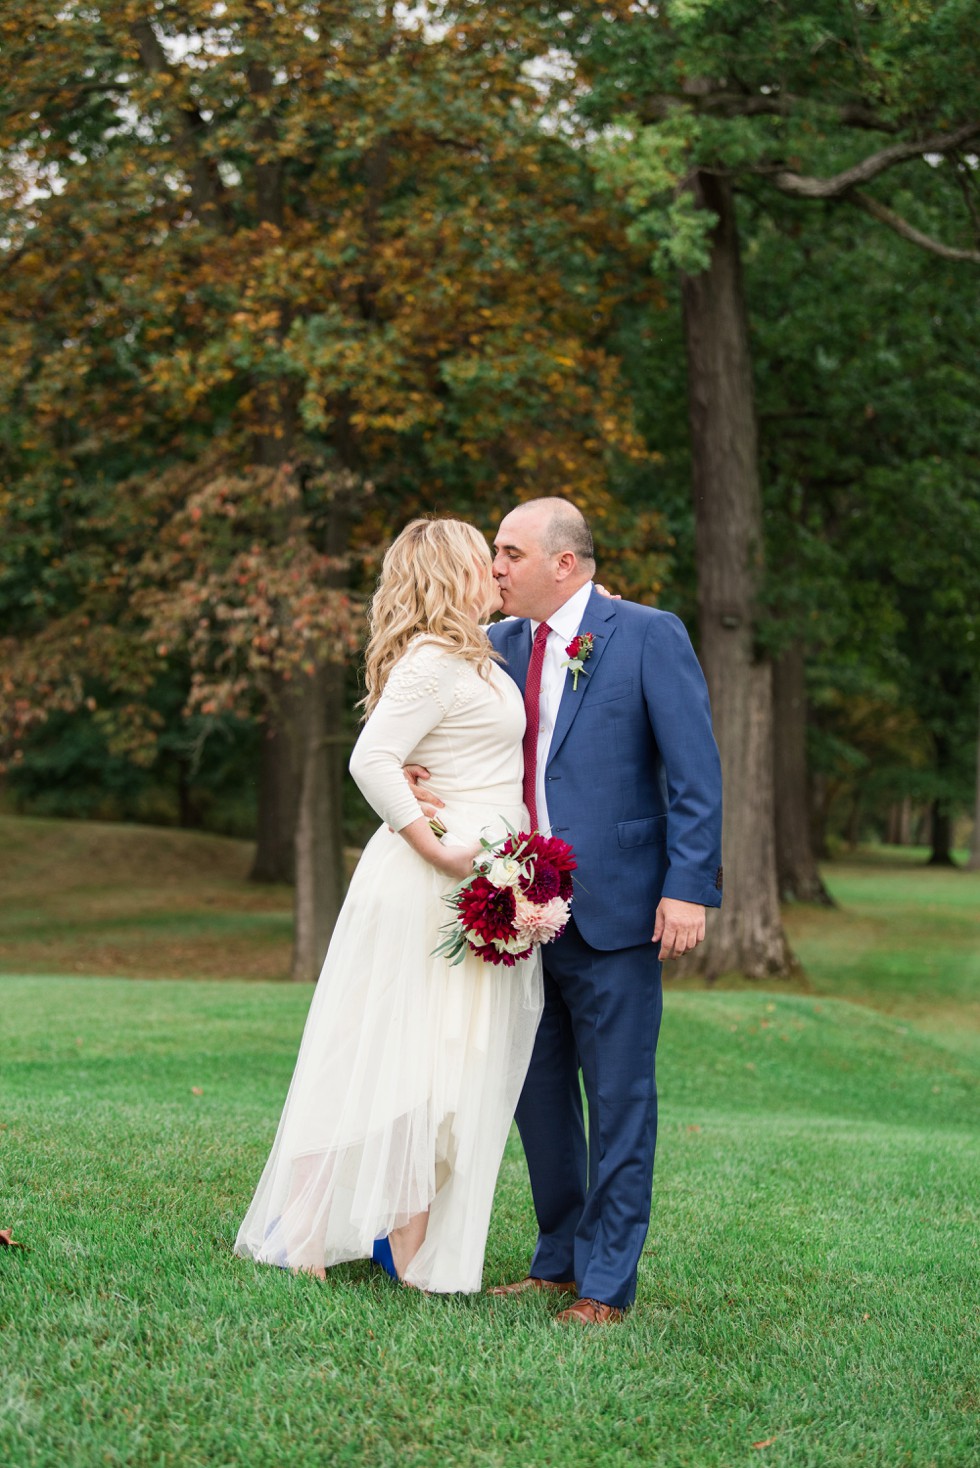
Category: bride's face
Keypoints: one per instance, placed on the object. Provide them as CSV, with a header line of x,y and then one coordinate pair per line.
x,y
486,598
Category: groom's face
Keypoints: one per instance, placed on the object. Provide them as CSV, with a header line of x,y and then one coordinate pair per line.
x,y
527,575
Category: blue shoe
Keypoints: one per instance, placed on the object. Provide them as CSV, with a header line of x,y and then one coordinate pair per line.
x,y
279,1260
381,1254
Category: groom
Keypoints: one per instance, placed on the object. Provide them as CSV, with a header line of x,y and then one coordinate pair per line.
x,y
619,760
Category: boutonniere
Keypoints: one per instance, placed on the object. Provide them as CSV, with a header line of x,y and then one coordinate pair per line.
x,y
578,650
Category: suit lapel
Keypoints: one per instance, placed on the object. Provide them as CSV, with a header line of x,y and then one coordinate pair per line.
x,y
515,648
600,620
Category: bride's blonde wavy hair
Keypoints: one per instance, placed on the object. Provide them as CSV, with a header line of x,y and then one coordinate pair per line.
x,y
430,583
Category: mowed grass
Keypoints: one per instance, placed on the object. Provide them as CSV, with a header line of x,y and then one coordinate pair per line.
x,y
905,939
809,1292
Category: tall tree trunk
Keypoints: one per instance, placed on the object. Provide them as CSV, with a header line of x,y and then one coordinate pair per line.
x,y
819,815
189,817
278,794
796,864
974,862
941,832
319,847
852,833
746,936
900,822
941,838
319,732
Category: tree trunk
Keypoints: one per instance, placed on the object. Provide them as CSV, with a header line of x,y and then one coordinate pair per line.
x,y
941,837
900,822
820,815
320,825
853,831
189,817
278,796
974,861
319,845
796,864
941,833
746,936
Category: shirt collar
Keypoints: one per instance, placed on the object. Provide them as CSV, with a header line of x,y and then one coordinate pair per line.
x,y
568,618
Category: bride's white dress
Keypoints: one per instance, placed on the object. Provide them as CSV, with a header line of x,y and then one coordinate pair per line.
x,y
409,1069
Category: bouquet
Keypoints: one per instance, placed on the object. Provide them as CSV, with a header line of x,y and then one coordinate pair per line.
x,y
518,896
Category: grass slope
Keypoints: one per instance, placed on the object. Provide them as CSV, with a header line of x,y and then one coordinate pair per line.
x,y
87,897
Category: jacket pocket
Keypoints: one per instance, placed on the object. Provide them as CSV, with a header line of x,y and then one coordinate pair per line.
x,y
606,692
644,832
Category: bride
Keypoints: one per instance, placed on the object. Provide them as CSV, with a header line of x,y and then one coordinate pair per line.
x,y
409,1070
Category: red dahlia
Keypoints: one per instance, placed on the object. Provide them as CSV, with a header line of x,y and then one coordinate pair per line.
x,y
544,884
553,852
486,910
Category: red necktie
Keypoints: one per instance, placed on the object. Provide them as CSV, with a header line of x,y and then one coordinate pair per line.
x,y
532,698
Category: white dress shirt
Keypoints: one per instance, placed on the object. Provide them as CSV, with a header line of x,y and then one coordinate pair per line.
x,y
564,624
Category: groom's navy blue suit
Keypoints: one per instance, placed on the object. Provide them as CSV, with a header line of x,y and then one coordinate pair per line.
x,y
633,781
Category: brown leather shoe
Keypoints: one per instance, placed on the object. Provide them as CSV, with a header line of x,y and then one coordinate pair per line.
x,y
590,1312
520,1286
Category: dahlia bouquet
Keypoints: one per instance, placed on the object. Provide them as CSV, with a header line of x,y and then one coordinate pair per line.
x,y
518,896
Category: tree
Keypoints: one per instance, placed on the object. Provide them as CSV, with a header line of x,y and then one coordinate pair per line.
x,y
701,103
259,257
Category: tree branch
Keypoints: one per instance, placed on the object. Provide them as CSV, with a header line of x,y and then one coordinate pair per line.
x,y
776,104
802,186
964,179
207,192
908,231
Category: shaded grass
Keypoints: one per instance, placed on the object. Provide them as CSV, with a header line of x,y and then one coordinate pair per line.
x,y
87,897
810,1276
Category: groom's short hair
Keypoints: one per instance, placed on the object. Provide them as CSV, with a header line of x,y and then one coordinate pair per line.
x,y
566,528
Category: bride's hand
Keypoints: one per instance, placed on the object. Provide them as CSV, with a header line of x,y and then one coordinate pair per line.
x,y
457,861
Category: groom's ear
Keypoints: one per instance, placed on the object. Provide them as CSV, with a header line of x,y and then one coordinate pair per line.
x,y
566,565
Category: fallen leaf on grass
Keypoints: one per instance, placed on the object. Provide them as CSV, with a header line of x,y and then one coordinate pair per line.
x,y
197,1090
7,1240
766,1442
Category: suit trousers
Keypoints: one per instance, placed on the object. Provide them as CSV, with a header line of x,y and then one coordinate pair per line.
x,y
592,1199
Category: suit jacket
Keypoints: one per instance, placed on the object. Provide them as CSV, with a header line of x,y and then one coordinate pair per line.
x,y
633,778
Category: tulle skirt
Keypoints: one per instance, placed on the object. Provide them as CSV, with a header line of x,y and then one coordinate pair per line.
x,y
406,1082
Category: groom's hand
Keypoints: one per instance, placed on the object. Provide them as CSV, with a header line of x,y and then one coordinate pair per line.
x,y
679,927
427,799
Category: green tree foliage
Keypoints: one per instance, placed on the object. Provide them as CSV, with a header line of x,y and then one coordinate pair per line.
x,y
700,106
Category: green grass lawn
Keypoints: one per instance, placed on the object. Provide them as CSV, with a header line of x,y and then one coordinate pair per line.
x,y
809,1293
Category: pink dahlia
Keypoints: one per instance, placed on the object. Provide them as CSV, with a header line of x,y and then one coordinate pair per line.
x,y
539,922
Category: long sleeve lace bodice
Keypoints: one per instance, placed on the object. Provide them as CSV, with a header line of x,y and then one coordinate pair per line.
x,y
437,711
